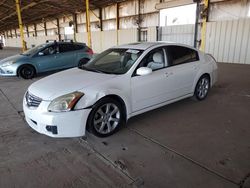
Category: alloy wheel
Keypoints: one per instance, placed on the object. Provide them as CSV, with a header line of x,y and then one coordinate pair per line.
x,y
106,118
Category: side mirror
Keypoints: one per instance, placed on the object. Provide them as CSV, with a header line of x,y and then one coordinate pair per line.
x,y
40,53
143,71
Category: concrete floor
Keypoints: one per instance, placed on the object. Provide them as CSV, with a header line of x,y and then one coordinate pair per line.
x,y
186,144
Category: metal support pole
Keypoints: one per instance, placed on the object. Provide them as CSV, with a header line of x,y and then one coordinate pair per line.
x,y
204,26
196,23
27,31
35,30
15,33
18,10
139,20
88,28
75,26
58,29
100,19
117,23
45,28
11,33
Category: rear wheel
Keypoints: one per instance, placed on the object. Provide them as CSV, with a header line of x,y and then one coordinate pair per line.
x,y
202,88
26,72
106,118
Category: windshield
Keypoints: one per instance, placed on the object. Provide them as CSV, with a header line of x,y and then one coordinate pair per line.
x,y
113,61
34,50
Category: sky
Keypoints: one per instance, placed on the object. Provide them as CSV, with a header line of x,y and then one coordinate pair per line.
x,y
178,15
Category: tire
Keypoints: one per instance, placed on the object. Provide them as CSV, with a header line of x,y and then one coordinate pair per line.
x,y
104,121
26,72
83,62
202,88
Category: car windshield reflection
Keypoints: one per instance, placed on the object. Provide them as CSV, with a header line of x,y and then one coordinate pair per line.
x,y
113,61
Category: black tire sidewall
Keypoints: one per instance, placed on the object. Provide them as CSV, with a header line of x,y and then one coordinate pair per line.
x,y
27,67
196,88
90,126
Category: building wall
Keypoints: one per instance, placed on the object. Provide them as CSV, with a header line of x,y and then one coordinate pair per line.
x,y
229,41
101,40
183,34
227,37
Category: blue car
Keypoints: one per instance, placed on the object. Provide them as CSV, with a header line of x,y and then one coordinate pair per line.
x,y
46,57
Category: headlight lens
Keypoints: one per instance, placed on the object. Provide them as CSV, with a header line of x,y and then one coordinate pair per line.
x,y
65,103
8,63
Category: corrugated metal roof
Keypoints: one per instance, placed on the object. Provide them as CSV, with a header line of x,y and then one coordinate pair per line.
x,y
38,10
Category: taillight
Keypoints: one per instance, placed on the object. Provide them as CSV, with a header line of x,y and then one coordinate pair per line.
x,y
90,51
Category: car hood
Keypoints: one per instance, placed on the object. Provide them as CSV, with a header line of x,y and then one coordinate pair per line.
x,y
66,82
17,57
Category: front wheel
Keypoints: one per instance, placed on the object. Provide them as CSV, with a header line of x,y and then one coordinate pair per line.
x,y
26,72
202,88
106,118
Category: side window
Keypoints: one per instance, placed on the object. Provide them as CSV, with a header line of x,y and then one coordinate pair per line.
x,y
179,55
50,50
154,60
66,48
78,47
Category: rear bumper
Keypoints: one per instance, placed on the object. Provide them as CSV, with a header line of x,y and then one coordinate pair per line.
x,y
64,124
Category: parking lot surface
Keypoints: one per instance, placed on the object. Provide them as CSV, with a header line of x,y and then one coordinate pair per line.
x,y
185,144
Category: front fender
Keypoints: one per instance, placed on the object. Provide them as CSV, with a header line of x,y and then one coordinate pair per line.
x,y
89,99
19,64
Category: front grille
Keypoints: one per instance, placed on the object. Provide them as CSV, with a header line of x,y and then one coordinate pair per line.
x,y
32,100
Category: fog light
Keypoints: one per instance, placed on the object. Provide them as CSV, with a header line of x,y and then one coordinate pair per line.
x,y
52,129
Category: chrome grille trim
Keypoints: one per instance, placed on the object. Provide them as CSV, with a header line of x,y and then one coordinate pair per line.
x,y
32,100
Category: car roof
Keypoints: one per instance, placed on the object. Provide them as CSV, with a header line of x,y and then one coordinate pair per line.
x,y
144,45
65,42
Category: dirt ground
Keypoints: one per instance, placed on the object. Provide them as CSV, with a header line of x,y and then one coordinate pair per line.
x,y
185,144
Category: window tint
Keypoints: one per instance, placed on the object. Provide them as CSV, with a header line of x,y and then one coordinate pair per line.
x,y
178,55
154,60
66,47
50,50
78,47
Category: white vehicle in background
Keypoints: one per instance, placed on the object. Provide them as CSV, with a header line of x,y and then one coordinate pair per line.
x,y
119,83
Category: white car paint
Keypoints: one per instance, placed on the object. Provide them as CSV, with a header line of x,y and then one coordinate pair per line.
x,y
139,93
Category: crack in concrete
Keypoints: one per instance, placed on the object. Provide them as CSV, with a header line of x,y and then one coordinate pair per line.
x,y
134,182
242,182
8,100
183,156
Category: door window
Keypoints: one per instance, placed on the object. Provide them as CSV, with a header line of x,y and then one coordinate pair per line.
x,y
50,50
66,48
154,60
179,55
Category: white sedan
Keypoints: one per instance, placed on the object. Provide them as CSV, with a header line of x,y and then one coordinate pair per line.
x,y
119,83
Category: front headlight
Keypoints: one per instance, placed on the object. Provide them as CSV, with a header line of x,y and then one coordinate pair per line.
x,y
65,103
8,63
